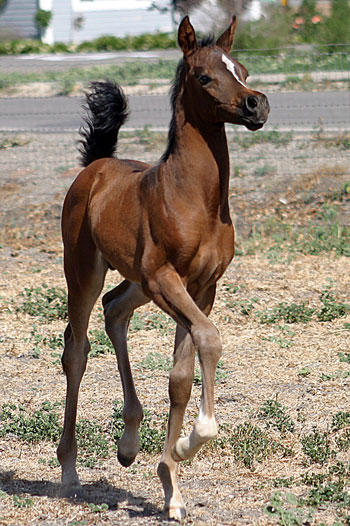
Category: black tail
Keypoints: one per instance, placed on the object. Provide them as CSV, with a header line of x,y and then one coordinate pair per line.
x,y
107,111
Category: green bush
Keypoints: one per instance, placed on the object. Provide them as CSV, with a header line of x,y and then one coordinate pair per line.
x,y
140,42
308,23
270,32
104,43
336,29
43,18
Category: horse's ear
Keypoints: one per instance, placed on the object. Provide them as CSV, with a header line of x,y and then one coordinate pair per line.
x,y
226,39
187,37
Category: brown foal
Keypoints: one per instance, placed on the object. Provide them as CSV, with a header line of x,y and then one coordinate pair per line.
x,y
167,230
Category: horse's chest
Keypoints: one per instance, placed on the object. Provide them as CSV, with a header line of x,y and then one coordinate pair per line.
x,y
211,259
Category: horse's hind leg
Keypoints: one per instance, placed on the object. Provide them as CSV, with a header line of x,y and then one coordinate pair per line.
x,y
119,305
84,286
180,387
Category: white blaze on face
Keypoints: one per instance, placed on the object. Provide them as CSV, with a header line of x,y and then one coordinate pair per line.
x,y
231,67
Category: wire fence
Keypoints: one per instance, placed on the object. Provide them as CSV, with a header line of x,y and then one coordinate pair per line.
x,y
302,155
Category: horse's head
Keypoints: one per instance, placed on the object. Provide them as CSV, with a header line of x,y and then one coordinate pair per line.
x,y
217,82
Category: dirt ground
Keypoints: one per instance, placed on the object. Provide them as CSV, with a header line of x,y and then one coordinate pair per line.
x,y
217,488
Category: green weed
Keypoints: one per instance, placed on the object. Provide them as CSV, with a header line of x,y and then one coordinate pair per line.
x,y
274,415
340,420
92,442
22,502
149,138
66,86
345,358
331,309
12,142
287,508
100,343
155,361
250,444
343,440
305,371
266,169
289,313
277,138
338,374
150,321
301,313
44,302
98,508
283,482
282,342
43,424
316,447
245,306
277,239
340,195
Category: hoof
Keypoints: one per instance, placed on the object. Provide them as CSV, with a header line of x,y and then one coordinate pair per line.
x,y
125,461
71,491
176,514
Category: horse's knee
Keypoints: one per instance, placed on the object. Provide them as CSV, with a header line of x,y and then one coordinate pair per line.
x,y
74,353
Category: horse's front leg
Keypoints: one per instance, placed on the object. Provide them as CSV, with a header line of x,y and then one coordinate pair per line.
x,y
197,332
119,305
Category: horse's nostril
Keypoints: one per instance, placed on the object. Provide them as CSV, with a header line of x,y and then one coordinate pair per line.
x,y
251,102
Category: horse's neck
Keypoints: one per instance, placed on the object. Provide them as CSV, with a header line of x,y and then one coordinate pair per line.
x,y
201,160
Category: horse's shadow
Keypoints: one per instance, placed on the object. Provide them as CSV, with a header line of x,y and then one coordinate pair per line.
x,y
100,492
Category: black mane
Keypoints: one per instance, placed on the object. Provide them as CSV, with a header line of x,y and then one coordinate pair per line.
x,y
208,41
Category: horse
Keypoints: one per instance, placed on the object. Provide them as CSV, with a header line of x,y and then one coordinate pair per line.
x,y
167,230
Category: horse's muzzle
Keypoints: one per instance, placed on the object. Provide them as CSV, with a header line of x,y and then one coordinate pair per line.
x,y
255,111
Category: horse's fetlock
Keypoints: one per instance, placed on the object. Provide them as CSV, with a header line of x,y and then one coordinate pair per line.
x,y
206,429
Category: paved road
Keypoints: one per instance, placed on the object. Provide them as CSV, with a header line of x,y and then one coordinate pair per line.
x,y
295,111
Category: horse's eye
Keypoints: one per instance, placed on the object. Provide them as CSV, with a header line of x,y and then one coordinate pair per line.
x,y
204,79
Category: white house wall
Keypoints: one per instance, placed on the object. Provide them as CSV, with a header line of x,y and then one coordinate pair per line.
x,y
62,21
119,23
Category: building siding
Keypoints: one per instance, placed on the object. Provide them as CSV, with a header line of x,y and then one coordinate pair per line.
x,y
17,19
120,23
62,20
